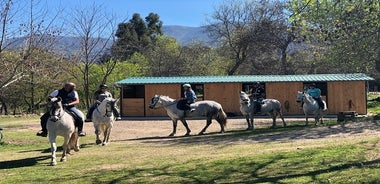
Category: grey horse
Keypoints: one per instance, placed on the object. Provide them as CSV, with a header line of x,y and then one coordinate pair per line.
x,y
207,108
310,106
61,123
103,120
272,107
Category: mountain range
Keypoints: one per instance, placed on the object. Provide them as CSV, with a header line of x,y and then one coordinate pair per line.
x,y
183,34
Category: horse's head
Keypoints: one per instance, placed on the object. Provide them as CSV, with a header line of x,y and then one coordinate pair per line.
x,y
108,103
54,106
244,98
154,102
299,96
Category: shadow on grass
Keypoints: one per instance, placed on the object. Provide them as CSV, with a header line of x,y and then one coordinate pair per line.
x,y
228,171
262,135
25,162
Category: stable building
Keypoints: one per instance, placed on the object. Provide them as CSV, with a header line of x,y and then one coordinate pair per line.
x,y
342,92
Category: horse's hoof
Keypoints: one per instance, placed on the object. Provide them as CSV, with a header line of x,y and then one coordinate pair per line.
x,y
187,134
171,135
201,133
98,141
63,159
76,149
104,144
53,163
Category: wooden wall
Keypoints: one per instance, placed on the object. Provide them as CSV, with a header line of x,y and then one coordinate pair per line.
x,y
227,94
171,90
133,107
346,96
286,93
342,96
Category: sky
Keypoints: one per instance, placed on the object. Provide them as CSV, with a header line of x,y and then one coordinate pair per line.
x,y
172,12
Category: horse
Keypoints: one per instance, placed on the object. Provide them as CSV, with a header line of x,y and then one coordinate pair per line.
x,y
207,108
103,120
61,123
272,107
310,106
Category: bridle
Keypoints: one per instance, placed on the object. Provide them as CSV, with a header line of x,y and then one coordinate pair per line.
x,y
55,111
109,111
154,102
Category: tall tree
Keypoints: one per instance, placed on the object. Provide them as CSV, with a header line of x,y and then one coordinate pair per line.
x,y
136,35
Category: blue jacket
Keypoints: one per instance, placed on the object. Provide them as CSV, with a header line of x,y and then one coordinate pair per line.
x,y
190,96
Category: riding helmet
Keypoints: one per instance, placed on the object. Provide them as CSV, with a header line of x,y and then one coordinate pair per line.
x,y
186,86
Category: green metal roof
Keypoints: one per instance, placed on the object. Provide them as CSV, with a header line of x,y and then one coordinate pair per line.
x,y
246,78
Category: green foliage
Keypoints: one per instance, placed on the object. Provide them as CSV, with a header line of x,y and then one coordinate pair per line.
x,y
347,29
136,35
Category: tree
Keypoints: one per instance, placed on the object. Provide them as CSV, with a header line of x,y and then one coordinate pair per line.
x,y
253,32
94,29
349,29
136,35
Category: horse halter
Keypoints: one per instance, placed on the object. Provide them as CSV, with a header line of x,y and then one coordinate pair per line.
x,y
154,101
109,105
55,110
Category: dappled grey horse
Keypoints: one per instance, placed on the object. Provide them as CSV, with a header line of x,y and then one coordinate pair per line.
x,y
61,123
270,107
206,108
310,106
103,120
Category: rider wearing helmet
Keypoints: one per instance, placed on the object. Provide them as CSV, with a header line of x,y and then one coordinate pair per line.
x,y
70,99
189,98
99,96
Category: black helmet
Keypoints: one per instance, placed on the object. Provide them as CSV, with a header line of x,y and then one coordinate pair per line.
x,y
103,86
312,84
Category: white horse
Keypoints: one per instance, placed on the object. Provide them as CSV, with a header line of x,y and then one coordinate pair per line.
x,y
272,107
61,123
103,120
310,106
206,108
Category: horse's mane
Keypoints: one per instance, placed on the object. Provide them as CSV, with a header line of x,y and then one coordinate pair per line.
x,y
167,98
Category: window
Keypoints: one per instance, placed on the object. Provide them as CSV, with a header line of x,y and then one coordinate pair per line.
x,y
197,88
250,87
134,91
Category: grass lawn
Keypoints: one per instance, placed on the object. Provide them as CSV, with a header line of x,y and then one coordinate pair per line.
x,y
334,153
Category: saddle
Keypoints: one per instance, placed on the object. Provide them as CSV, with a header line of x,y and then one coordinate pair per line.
x,y
183,105
77,119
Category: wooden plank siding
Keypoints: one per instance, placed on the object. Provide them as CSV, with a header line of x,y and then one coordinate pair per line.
x,y
133,107
171,90
286,93
227,94
346,96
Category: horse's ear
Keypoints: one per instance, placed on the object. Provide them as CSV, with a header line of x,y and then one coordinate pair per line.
x,y
59,99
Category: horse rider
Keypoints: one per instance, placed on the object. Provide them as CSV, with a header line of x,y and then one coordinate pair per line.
x,y
99,96
189,97
259,95
315,92
70,98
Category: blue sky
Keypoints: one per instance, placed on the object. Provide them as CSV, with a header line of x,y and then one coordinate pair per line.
x,y
172,12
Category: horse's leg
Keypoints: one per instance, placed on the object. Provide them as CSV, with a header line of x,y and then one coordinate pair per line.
x,y
174,127
53,148
184,122
307,119
208,122
221,127
97,133
66,139
273,115
107,135
249,122
316,118
282,118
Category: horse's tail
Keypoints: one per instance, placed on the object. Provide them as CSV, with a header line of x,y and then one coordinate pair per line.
x,y
221,117
74,141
